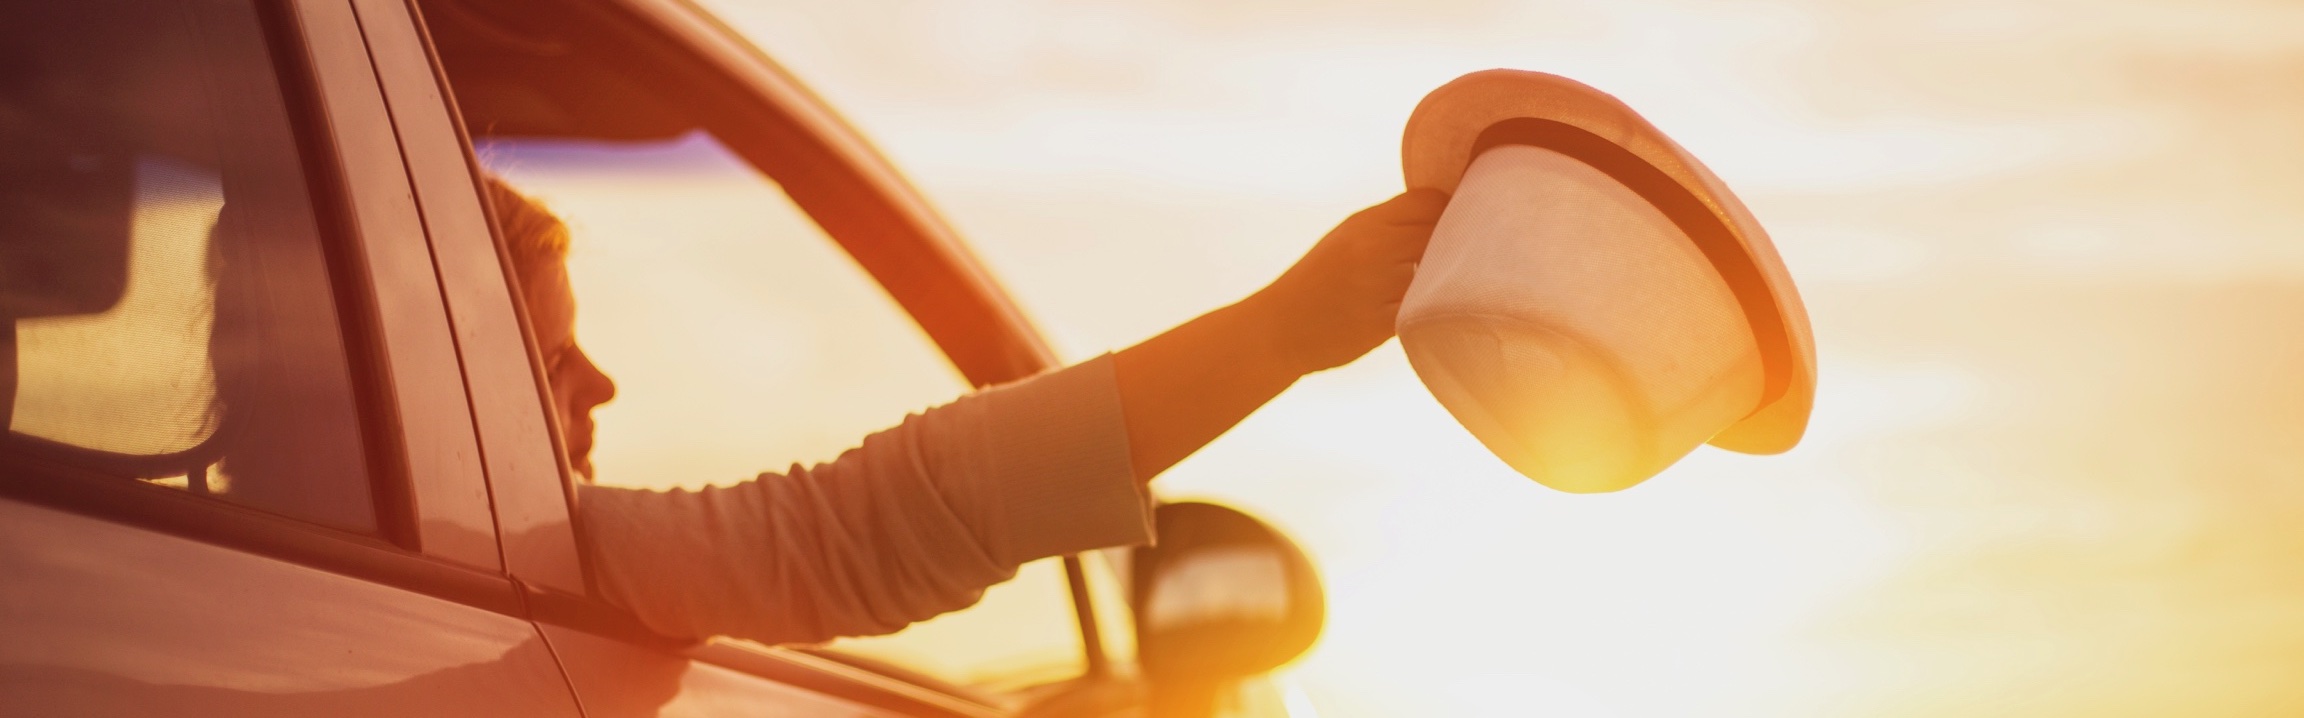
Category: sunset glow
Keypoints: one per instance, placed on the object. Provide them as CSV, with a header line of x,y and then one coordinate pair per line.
x,y
2053,252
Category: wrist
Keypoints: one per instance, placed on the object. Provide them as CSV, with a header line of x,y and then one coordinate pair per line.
x,y
1269,334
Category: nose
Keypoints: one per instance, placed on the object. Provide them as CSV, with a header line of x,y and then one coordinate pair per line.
x,y
593,387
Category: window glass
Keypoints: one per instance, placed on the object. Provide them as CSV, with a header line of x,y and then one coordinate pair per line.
x,y
742,339
1106,573
1024,633
168,311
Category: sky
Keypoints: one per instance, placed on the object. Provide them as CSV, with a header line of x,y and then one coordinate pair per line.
x,y
2051,251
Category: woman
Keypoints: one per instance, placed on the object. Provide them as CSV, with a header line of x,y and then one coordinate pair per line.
x,y
920,518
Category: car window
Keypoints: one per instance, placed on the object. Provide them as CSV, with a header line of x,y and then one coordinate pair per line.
x,y
742,339
1024,633
165,285
1105,573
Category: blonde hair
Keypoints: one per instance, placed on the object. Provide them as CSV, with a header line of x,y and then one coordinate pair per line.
x,y
532,234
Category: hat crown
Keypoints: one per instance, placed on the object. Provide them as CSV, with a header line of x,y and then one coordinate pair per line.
x,y
1573,327
1460,125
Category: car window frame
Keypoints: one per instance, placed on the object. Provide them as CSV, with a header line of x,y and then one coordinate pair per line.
x,y
774,124
355,174
863,203
528,481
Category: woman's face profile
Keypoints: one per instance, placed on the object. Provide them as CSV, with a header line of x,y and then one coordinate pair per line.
x,y
577,385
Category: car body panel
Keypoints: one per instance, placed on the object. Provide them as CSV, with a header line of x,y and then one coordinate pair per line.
x,y
617,678
438,449
107,619
128,598
526,471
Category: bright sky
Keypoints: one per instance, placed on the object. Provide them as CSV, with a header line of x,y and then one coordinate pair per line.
x,y
2053,251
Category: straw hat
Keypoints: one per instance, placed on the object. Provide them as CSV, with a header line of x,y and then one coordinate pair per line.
x,y
1595,303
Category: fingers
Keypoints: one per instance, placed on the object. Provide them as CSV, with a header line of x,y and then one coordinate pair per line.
x,y
1420,206
1405,243
1416,206
1402,225
1398,274
1381,243
1411,247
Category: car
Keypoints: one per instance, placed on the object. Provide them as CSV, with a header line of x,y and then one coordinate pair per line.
x,y
279,441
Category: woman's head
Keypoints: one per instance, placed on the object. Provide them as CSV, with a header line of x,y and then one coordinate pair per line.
x,y
538,243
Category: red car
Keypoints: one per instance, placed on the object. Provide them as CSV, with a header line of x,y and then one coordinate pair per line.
x,y
278,444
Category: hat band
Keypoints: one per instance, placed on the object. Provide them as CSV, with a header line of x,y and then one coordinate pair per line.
x,y
1692,215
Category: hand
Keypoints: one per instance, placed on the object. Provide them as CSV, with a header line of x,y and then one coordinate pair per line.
x,y
1340,300
1183,388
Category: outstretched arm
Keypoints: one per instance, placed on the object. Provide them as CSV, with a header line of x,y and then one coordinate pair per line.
x,y
920,518
1183,388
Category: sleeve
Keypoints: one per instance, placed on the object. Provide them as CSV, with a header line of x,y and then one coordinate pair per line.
x,y
915,522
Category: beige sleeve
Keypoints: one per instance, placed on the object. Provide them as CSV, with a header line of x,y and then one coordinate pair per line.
x,y
915,522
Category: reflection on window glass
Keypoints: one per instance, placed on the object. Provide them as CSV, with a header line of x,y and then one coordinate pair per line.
x,y
161,270
135,378
742,339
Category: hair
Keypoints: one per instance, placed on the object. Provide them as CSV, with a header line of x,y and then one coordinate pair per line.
x,y
532,234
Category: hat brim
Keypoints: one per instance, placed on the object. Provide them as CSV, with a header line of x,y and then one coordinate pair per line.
x,y
1497,107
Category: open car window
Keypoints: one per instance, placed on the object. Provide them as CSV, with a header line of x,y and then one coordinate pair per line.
x,y
761,293
743,340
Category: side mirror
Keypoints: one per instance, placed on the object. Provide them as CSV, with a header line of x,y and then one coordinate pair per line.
x,y
64,227
1221,597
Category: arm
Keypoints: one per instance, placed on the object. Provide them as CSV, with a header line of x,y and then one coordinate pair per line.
x,y
1183,388
914,522
920,518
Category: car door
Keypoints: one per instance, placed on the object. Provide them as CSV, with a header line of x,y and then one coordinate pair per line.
x,y
241,476
706,191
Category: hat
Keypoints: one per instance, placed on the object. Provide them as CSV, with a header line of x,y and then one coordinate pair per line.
x,y
1594,303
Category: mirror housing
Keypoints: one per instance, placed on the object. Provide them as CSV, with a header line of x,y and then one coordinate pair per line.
x,y
1222,596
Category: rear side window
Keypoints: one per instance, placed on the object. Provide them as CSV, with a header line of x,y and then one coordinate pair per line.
x,y
165,307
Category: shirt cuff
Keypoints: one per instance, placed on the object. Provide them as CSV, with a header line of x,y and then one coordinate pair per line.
x,y
1061,478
